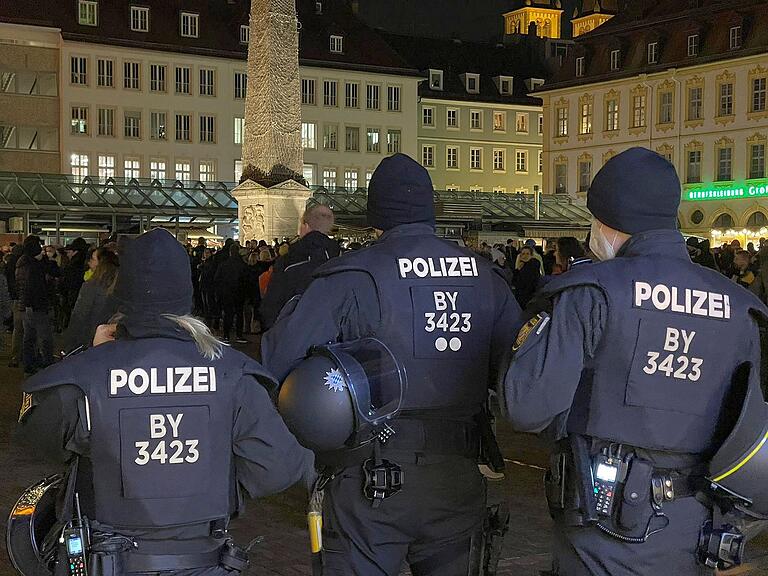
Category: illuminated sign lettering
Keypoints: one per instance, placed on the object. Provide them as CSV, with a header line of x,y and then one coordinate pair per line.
x,y
755,189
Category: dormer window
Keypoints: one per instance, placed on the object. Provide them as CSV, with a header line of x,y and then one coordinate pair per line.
x,y
693,45
472,82
580,66
337,44
735,37
139,19
653,53
615,59
505,85
190,24
318,7
245,34
435,79
533,83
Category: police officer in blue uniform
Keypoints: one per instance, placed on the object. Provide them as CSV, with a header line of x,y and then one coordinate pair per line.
x,y
161,427
445,314
630,373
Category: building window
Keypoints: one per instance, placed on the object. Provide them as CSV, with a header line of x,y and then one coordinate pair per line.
x,y
79,165
475,158
638,110
505,86
368,177
612,115
476,119
106,122
79,67
693,45
239,130
139,19
428,156
79,120
157,74
541,124
131,168
190,24
238,170
757,220
580,66
372,97
452,118
372,139
308,173
452,157
106,166
653,53
308,91
586,118
350,179
157,169
329,178
183,170
499,121
329,92
759,94
132,75
351,90
757,161
695,103
207,171
693,175
87,13
585,175
207,129
723,221
615,59
725,104
499,161
735,37
182,79
132,124
475,188
724,164
337,44
697,217
241,85
331,137
666,107
308,140
473,83
561,178
207,82
245,34
427,116
157,126
521,123
393,141
521,161
562,122
393,98
104,73
435,79
499,190
352,139
183,127
541,161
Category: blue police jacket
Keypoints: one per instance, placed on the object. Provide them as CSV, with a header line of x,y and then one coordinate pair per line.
x,y
641,349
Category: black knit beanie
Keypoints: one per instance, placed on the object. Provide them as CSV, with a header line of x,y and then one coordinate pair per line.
x,y
400,192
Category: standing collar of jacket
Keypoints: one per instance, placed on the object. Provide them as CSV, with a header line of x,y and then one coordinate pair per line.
x,y
407,230
667,243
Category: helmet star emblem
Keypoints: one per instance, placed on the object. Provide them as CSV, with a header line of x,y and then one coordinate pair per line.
x,y
334,379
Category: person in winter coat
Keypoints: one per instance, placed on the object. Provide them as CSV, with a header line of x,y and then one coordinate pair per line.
x,y
18,311
527,276
37,346
292,272
72,276
95,304
230,279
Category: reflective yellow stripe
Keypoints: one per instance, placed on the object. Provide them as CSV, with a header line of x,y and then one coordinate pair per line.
x,y
747,459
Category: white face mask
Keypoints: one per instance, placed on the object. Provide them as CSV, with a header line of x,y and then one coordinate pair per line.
x,y
599,244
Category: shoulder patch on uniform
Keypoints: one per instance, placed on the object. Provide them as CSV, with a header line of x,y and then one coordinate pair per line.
x,y
26,405
528,329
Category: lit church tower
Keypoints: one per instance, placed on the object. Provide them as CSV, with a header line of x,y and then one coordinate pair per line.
x,y
545,14
593,13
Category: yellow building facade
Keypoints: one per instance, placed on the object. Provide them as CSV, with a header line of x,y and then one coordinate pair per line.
x,y
546,15
589,22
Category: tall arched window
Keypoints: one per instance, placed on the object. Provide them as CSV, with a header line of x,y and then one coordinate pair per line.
x,y
724,220
757,220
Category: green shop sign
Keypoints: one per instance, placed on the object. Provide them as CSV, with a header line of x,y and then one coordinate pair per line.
x,y
755,189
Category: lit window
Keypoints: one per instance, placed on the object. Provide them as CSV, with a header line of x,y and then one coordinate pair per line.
x,y
308,173
352,140
393,141
157,126
190,24
428,156
106,122
476,119
452,118
475,158
612,115
587,111
238,170
139,19
79,121
499,121
693,175
541,161
499,160
88,13
735,37
585,175
132,75
106,166
79,165
245,34
308,140
157,73
207,82
724,164
104,73
329,178
428,116
308,91
337,44
351,90
452,157
368,177
350,179
757,161
521,123
562,122
329,92
330,137
759,94
182,79
372,100
639,110
475,188
131,168
207,171
239,129
241,85
666,107
207,129
521,161
183,170
615,59
183,127
725,104
132,124
393,98
693,45
435,79
372,138
79,67
580,66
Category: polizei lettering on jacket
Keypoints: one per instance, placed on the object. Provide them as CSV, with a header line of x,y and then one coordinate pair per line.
x,y
178,380
682,300
446,267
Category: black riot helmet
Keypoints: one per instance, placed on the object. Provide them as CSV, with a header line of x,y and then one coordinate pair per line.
x,y
341,394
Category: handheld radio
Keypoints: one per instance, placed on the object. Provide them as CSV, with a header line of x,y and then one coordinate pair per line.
x,y
608,473
75,540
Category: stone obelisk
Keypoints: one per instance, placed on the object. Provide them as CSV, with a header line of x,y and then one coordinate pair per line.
x,y
272,195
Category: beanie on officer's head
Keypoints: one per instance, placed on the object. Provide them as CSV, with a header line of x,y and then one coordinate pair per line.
x,y
400,192
636,191
155,276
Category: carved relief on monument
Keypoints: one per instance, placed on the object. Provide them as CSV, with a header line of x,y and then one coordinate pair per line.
x,y
252,225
